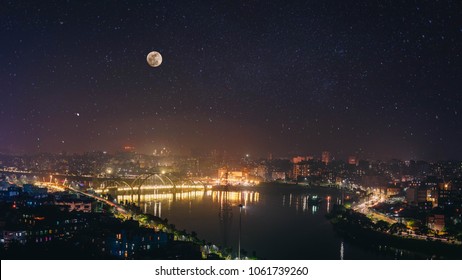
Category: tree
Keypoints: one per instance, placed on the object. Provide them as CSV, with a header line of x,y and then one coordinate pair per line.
x,y
382,225
397,228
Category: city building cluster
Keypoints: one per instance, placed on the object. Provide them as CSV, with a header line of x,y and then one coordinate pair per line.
x,y
424,196
43,223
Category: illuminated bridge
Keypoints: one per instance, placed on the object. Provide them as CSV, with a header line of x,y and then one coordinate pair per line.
x,y
145,183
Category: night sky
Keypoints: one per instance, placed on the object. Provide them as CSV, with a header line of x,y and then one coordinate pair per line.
x,y
380,79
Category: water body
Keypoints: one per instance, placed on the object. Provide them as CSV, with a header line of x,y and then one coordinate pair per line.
x,y
278,221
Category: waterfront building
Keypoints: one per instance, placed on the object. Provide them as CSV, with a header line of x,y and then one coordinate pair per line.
x,y
278,175
301,169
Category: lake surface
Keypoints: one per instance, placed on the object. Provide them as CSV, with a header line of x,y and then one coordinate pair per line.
x,y
278,221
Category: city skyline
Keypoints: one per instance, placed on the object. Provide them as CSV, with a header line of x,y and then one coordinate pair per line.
x,y
375,80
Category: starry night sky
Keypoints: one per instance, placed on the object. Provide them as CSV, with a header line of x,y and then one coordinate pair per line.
x,y
380,79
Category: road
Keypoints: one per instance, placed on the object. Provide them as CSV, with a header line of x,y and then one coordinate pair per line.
x,y
119,208
365,209
110,203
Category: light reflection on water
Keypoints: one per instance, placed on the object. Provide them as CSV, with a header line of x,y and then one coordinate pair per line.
x,y
302,203
277,222
152,202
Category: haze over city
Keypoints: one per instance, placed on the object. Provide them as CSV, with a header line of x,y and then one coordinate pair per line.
x,y
375,80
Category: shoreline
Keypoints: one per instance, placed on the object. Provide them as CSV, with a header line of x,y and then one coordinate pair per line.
x,y
356,232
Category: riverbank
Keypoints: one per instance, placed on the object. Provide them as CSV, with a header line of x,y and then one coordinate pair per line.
x,y
357,228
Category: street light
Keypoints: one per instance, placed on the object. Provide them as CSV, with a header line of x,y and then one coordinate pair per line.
x,y
240,227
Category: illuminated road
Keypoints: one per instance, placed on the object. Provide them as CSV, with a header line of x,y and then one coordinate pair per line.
x,y
110,203
365,209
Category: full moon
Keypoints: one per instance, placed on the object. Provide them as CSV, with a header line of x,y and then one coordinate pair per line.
x,y
154,59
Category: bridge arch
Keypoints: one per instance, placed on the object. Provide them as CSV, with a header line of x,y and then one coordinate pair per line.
x,y
115,184
147,181
197,183
150,179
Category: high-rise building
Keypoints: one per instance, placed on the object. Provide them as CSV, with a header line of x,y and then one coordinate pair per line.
x,y
301,169
299,159
325,158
